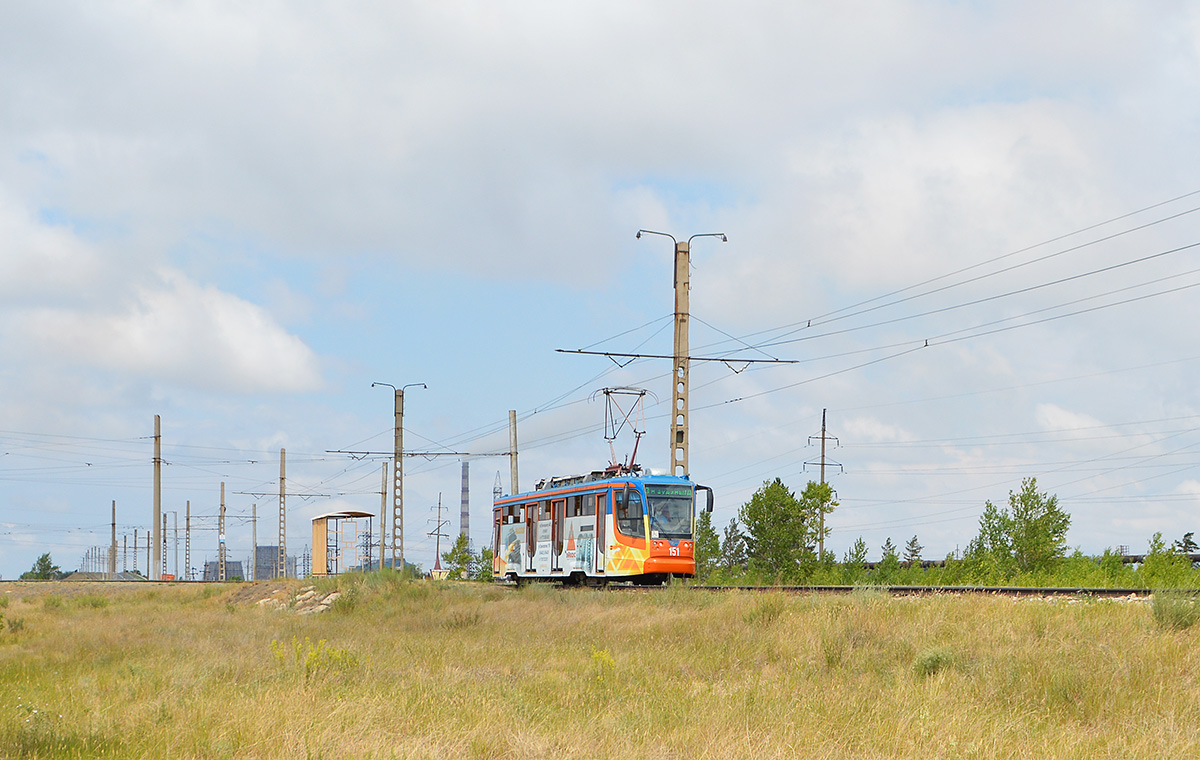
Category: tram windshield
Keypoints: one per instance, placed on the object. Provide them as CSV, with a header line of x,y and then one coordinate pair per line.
x,y
629,513
670,511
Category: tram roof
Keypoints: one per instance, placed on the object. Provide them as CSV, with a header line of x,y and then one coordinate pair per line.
x,y
595,480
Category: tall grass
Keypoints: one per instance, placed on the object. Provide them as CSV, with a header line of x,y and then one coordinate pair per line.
x,y
418,669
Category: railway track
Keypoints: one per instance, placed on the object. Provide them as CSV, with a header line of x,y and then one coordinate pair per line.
x,y
1144,594
1014,591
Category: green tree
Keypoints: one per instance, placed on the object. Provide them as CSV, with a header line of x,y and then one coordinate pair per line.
x,y
483,566
1029,536
459,560
782,531
817,500
1187,544
1039,528
1164,567
707,547
43,569
889,564
854,562
733,547
912,552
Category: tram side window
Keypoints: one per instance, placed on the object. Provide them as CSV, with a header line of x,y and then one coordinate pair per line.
x,y
629,514
589,505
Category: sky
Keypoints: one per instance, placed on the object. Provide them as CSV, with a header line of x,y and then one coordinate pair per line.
x,y
972,226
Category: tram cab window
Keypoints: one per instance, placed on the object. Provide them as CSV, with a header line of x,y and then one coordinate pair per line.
x,y
670,509
629,513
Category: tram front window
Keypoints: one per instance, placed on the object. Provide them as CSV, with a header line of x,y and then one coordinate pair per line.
x,y
629,514
670,517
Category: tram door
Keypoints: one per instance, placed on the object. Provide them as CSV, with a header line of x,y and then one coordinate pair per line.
x,y
558,509
497,521
601,533
531,515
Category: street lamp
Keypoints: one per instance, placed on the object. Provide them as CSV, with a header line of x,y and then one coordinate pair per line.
x,y
398,477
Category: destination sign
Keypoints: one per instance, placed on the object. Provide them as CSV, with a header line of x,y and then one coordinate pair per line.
x,y
685,491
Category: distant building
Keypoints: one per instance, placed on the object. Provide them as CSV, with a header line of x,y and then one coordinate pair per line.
x,y
233,569
266,564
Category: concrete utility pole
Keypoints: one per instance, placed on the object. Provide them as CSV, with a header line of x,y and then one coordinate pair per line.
x,y
464,515
162,566
135,550
124,553
112,547
398,475
152,567
187,542
221,538
679,373
253,542
512,452
823,437
383,516
438,536
281,558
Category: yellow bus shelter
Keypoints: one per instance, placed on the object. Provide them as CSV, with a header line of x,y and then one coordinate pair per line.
x,y
337,544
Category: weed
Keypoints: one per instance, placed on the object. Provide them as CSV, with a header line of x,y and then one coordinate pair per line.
x,y
94,601
3,602
931,662
313,660
604,665
348,600
766,611
1175,610
52,602
460,619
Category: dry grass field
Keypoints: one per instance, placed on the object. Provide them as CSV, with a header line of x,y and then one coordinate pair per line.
x,y
401,669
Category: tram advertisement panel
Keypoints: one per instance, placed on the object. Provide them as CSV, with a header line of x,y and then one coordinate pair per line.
x,y
544,547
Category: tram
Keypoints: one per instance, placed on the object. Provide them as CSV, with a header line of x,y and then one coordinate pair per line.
x,y
619,524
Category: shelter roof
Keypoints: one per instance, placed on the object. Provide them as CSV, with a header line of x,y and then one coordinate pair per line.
x,y
343,514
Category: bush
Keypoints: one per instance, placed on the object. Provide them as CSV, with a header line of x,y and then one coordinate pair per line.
x,y
1175,610
932,662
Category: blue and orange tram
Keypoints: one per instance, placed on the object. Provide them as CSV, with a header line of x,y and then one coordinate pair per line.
x,y
596,528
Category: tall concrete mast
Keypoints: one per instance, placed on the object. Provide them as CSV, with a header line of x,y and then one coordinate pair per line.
x,y
221,538
680,358
512,452
464,514
112,547
187,542
679,375
383,492
398,475
153,572
253,574
281,558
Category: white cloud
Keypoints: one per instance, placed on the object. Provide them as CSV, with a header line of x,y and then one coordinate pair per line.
x,y
1054,417
871,430
40,263
181,332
